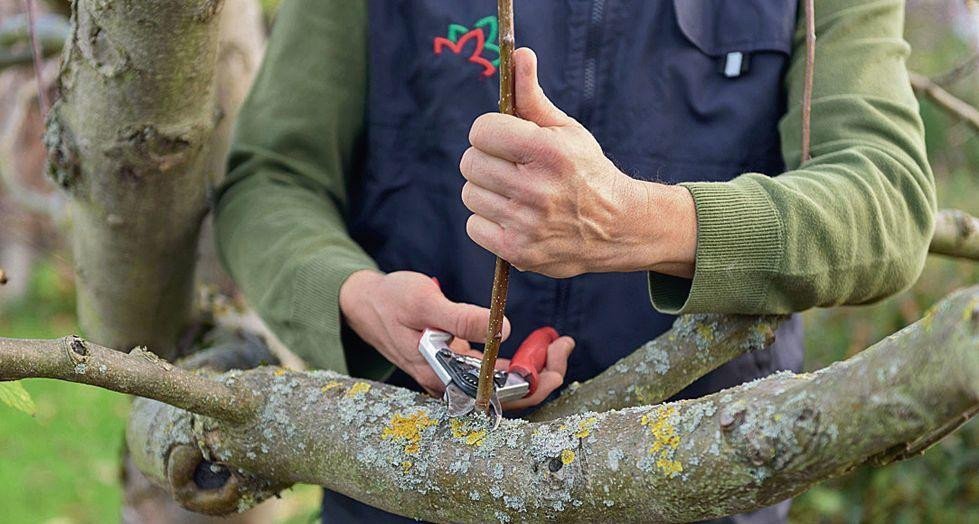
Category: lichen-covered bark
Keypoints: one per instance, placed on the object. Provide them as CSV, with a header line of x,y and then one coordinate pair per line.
x,y
733,451
696,345
126,140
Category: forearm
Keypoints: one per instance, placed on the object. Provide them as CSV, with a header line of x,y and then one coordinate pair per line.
x,y
850,226
279,217
289,252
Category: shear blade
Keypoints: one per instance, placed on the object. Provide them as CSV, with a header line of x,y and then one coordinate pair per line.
x,y
459,403
496,409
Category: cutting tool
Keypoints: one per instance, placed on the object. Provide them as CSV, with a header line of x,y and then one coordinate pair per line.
x,y
460,373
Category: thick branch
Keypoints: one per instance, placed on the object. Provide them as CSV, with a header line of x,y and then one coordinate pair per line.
x,y
924,86
137,373
956,235
661,368
733,451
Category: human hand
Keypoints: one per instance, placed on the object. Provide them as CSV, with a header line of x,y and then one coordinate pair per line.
x,y
390,311
546,198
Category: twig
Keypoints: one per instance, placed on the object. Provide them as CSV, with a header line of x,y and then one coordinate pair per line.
x,y
137,373
958,72
925,87
808,81
501,272
3,277
956,235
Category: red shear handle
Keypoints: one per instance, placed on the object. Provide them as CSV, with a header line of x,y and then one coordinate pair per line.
x,y
532,354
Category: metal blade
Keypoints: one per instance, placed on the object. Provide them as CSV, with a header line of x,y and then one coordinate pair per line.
x,y
497,410
459,403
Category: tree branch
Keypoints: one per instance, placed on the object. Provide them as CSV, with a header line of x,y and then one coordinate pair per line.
x,y
136,373
730,452
956,235
661,368
925,87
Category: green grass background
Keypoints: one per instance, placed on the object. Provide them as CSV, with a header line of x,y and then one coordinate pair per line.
x,y
62,465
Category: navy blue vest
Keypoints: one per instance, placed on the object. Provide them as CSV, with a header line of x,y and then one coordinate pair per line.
x,y
674,91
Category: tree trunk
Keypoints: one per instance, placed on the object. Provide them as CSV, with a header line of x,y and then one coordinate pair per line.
x,y
127,141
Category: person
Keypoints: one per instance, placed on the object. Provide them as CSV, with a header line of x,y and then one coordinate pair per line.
x,y
655,158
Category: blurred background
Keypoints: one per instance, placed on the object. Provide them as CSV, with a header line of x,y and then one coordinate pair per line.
x,y
63,464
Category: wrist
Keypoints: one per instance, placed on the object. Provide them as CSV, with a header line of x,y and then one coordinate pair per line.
x,y
663,229
354,292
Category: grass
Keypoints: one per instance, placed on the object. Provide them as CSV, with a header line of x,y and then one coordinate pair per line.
x,y
62,464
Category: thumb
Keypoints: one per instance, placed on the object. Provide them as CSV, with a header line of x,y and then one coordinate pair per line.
x,y
531,102
465,321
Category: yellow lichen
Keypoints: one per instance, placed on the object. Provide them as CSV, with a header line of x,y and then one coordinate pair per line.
x,y
359,388
665,439
668,466
457,430
470,437
567,457
476,438
333,384
408,429
705,332
279,372
585,426
406,466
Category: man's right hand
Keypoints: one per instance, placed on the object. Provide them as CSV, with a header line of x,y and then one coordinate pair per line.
x,y
389,312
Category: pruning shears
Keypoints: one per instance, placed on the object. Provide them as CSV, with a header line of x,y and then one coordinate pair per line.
x,y
460,373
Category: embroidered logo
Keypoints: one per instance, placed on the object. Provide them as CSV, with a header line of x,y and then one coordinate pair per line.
x,y
483,35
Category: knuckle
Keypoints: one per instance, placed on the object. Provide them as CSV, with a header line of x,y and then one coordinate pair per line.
x,y
479,127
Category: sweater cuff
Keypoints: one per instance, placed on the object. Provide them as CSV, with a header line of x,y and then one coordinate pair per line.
x,y
739,246
315,311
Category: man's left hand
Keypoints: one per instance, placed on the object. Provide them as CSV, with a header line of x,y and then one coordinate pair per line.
x,y
546,198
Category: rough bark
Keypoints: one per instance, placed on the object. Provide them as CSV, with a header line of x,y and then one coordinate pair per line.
x,y
956,235
733,451
696,345
126,140
730,452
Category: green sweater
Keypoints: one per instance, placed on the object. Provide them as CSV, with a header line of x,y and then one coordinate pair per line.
x,y
851,226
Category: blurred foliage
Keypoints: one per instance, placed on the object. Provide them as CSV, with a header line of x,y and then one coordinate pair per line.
x,y
942,485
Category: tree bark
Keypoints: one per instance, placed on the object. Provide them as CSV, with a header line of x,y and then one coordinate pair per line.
x,y
730,452
126,140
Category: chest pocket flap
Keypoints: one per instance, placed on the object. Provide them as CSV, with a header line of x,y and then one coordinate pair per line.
x,y
720,27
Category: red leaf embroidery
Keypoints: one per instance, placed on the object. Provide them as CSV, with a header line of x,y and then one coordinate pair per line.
x,y
456,47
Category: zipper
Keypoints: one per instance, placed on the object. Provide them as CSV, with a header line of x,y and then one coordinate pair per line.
x,y
592,48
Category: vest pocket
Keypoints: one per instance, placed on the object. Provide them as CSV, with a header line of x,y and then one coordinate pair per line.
x,y
732,30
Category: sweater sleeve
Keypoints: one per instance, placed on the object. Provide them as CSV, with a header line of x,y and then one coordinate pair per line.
x,y
279,220
850,226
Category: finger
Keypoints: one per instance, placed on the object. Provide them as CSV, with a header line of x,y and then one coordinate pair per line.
x,y
487,204
506,137
557,355
488,234
547,383
461,346
492,173
465,321
531,102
